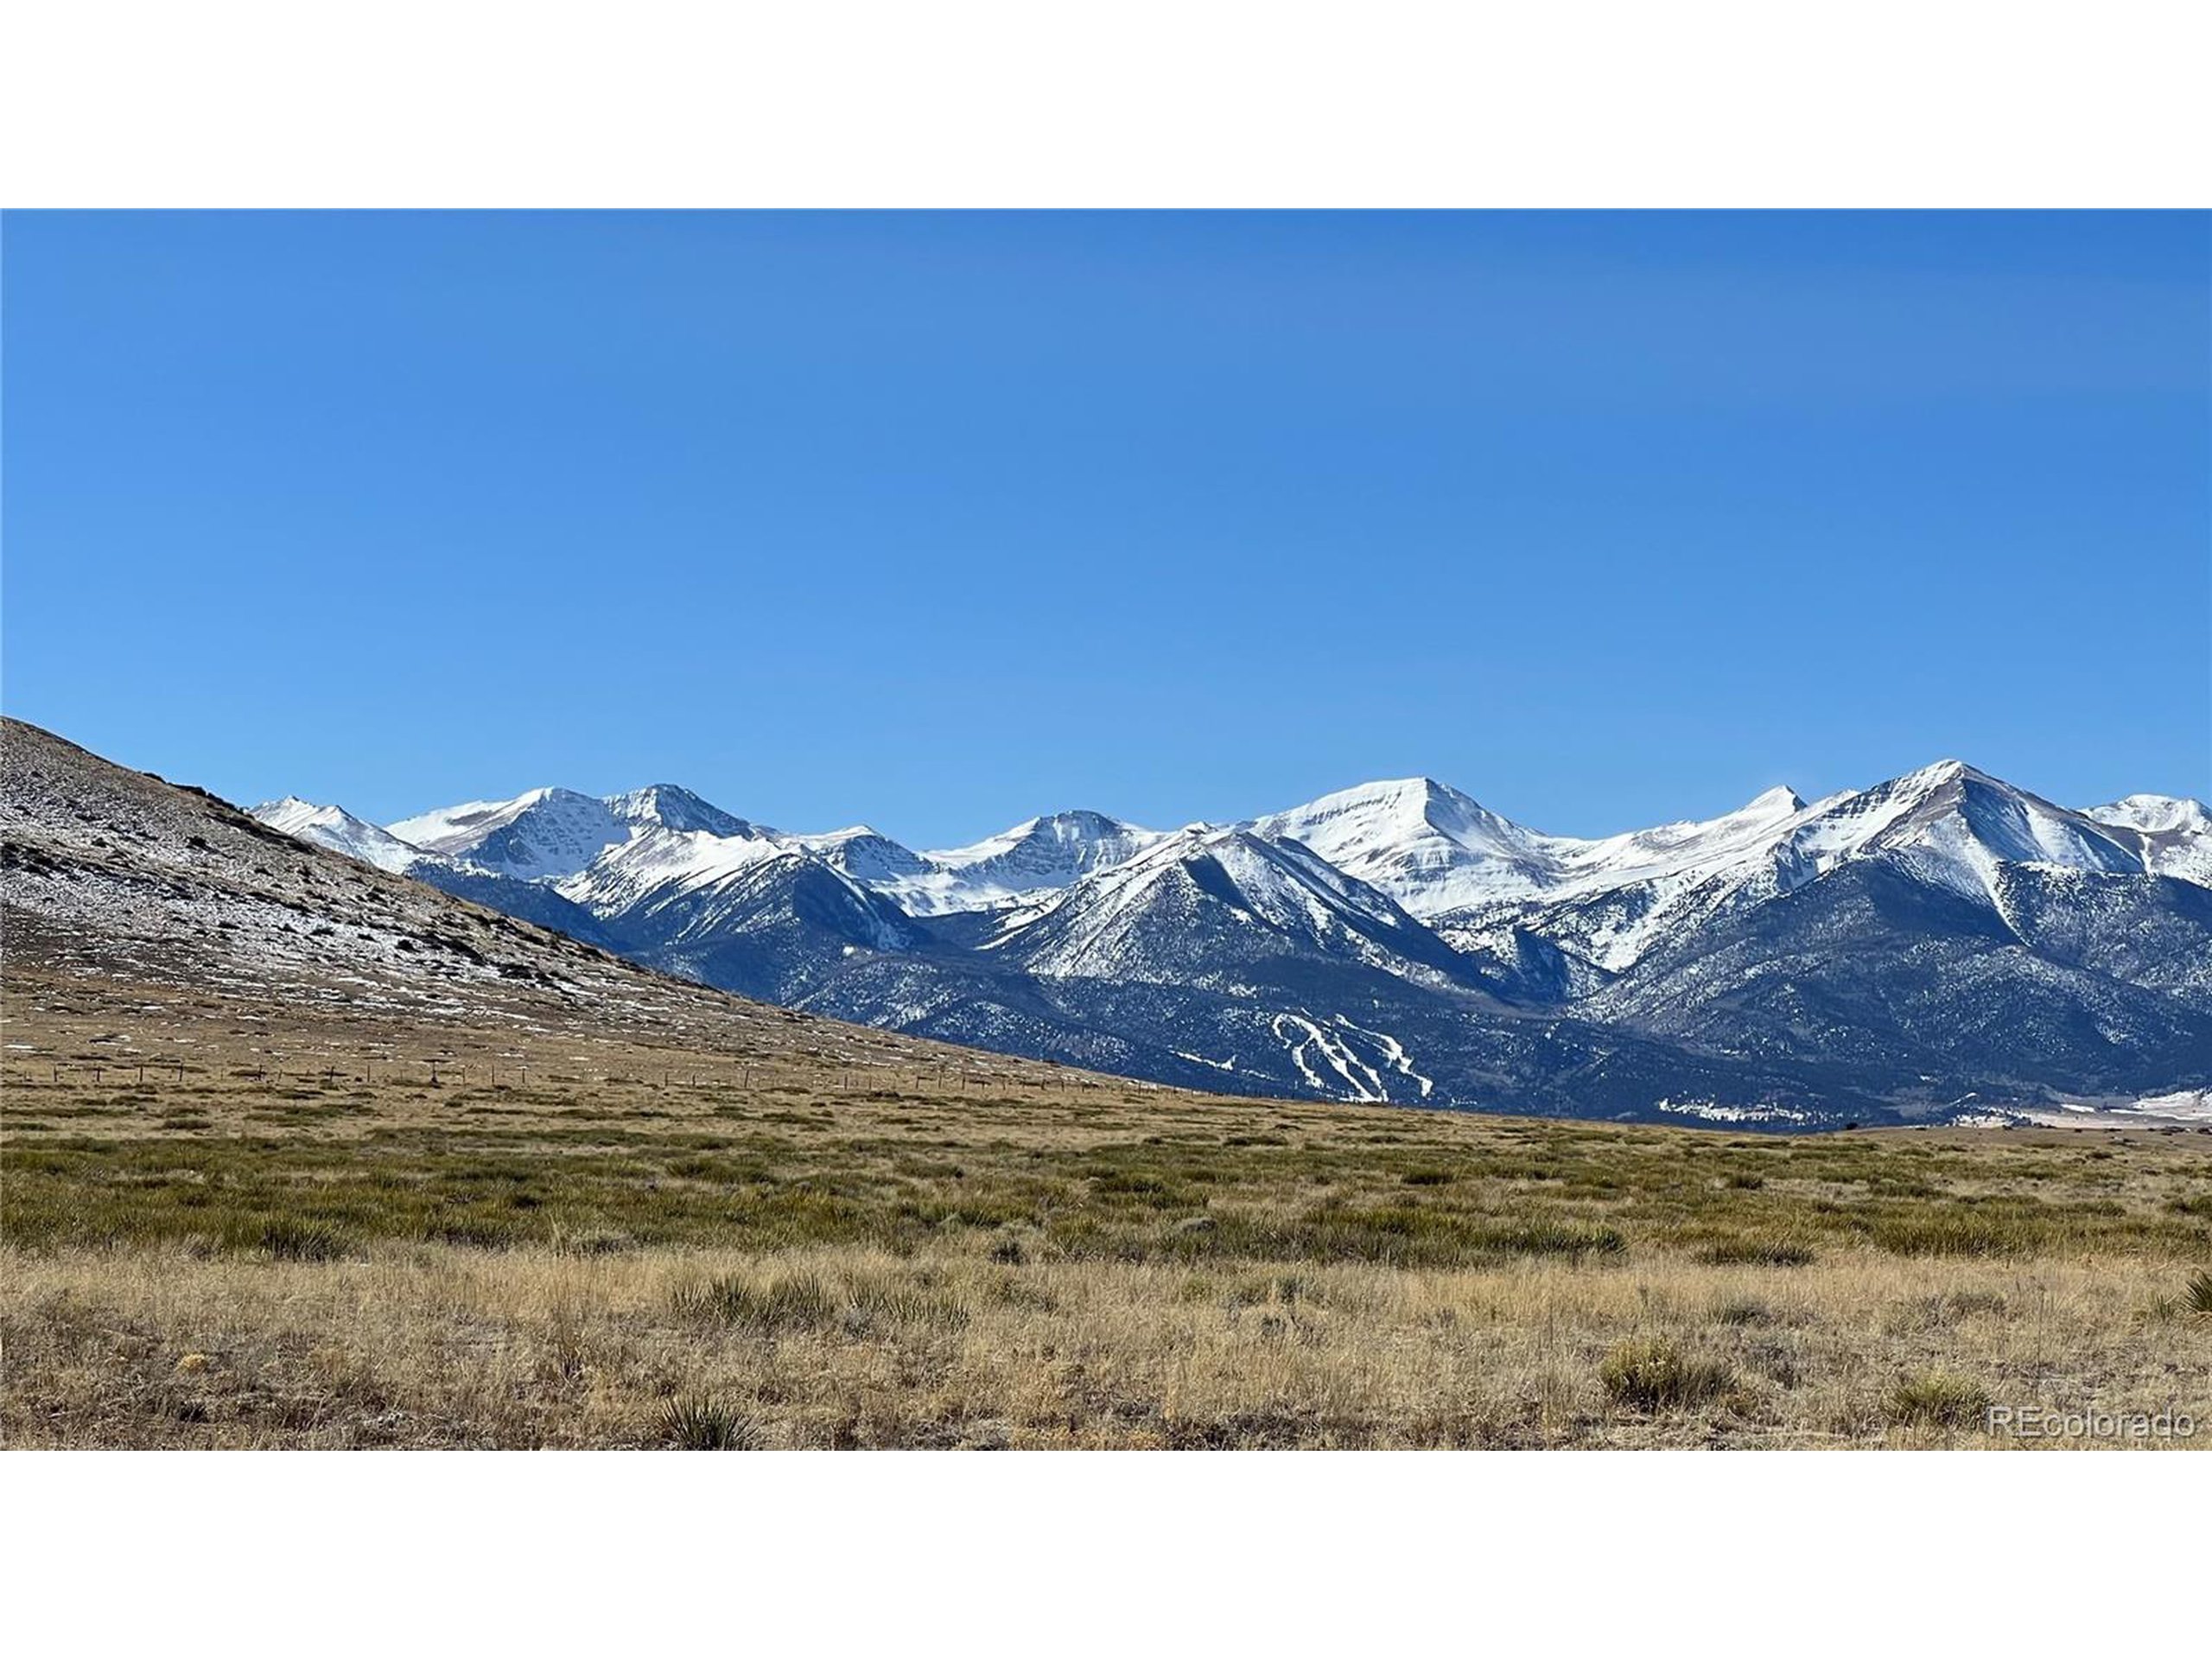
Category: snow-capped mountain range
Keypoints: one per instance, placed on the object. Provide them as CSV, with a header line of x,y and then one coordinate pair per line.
x,y
1880,953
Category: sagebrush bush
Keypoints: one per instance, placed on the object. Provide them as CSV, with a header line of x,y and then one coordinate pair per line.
x,y
1651,1373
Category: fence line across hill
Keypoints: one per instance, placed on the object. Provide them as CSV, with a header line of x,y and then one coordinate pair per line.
x,y
359,1070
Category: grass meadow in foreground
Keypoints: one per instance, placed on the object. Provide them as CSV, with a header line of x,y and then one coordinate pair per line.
x,y
223,1262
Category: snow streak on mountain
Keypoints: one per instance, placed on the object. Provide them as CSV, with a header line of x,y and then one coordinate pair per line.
x,y
1941,942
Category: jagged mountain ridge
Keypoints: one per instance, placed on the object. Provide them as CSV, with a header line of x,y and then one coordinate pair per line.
x,y
1939,935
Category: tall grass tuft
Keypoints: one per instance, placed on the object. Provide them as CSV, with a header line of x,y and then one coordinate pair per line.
x,y
800,1302
1650,1374
1954,1234
872,1306
288,1238
1574,1238
1757,1252
1937,1399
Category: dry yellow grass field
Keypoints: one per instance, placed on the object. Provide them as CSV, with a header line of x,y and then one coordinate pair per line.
x,y
786,1255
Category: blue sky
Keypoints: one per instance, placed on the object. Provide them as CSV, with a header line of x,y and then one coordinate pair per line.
x,y
942,521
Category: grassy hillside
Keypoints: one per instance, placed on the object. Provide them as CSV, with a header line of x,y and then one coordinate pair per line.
x,y
841,1260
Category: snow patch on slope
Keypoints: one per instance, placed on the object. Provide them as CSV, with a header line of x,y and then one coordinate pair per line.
x,y
1308,1042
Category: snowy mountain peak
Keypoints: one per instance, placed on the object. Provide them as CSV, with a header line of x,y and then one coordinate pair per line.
x,y
282,815
2157,814
1948,775
1203,904
672,807
2174,833
340,830
1076,840
1780,802
1426,844
1954,826
866,854
1078,826
1403,803
1035,855
543,834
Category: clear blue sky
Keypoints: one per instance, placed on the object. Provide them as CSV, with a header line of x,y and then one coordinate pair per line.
x,y
942,521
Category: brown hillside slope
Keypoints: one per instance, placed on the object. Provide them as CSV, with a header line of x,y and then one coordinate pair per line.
x,y
150,924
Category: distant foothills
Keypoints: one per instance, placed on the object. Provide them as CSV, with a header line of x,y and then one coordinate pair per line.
x,y
1944,945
